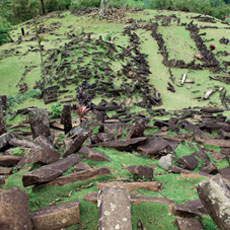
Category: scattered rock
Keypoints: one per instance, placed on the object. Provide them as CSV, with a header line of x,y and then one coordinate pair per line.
x,y
130,186
49,172
39,122
14,210
114,209
166,161
93,155
141,171
189,223
56,217
215,196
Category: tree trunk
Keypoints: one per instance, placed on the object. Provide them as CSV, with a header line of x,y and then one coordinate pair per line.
x,y
43,7
104,7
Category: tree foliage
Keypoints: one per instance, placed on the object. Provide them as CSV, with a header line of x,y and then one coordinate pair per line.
x,y
4,30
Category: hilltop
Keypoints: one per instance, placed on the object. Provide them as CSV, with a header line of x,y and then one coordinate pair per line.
x,y
169,69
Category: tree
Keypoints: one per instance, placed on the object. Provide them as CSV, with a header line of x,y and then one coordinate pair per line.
x,y
104,7
43,7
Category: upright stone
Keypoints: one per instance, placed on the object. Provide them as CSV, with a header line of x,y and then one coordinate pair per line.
x,y
66,118
3,102
215,196
39,122
114,209
14,210
2,121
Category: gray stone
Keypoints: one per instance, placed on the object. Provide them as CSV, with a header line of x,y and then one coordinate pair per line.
x,y
215,196
14,210
114,209
166,162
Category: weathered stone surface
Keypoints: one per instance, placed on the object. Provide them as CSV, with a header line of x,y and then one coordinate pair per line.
x,y
225,172
3,102
2,121
188,162
39,122
190,208
114,209
9,160
126,144
5,171
215,196
66,118
49,172
14,210
77,143
81,166
130,186
4,139
189,224
80,176
166,161
2,180
153,146
137,129
56,217
135,199
208,167
141,171
44,153
139,199
93,155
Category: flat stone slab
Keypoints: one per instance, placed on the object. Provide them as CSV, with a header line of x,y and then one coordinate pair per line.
x,y
9,160
49,172
5,171
93,155
43,153
56,217
114,209
153,146
190,208
126,144
14,210
130,186
80,176
141,171
135,199
189,224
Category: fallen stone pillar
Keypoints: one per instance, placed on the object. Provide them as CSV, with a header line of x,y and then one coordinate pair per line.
x,y
114,209
215,196
56,217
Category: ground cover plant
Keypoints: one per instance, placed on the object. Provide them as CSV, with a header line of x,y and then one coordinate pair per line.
x,y
147,74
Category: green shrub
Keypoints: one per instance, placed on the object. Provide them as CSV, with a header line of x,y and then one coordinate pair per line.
x,y
54,5
17,151
83,3
20,98
4,30
56,110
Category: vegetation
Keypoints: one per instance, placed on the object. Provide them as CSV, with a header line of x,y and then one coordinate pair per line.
x,y
4,30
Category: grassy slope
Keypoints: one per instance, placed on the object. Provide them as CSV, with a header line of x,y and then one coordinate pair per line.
x,y
156,215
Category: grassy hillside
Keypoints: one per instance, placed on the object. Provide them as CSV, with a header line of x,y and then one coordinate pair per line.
x,y
71,58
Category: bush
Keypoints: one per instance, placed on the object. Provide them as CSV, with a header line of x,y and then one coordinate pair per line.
x,y
56,110
4,30
83,3
54,5
20,98
25,9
